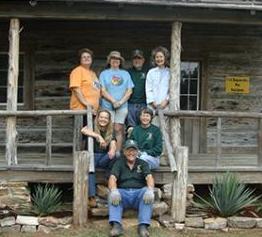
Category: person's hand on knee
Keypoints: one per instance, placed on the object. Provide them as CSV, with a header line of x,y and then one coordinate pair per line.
x,y
149,196
114,197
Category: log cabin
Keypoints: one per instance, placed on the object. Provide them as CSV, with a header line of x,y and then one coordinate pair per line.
x,y
215,88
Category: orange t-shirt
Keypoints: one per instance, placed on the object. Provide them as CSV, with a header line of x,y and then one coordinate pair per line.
x,y
87,81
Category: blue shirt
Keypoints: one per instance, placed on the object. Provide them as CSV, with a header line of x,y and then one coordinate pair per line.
x,y
116,82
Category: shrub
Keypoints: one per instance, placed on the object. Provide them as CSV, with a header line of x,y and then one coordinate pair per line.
x,y
227,196
46,200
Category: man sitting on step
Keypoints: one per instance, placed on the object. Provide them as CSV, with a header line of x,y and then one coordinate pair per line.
x,y
131,186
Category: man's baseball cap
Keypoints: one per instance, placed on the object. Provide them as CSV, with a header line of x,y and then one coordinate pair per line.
x,y
137,53
130,144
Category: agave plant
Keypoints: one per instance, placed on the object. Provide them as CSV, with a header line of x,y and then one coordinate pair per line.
x,y
227,196
46,200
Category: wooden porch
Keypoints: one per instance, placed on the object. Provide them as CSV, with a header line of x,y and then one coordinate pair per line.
x,y
53,161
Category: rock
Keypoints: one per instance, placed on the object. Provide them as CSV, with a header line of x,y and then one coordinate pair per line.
x,y
7,221
179,226
44,229
167,221
241,222
190,188
167,190
27,220
51,221
13,228
158,194
196,222
99,212
215,223
28,228
102,191
259,222
160,208
190,196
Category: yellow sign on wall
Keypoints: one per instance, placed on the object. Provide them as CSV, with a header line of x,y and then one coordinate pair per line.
x,y
237,84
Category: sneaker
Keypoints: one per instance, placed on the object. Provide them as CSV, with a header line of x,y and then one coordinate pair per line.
x,y
92,202
129,131
116,230
143,230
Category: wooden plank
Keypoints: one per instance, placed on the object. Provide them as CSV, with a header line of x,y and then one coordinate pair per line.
x,y
90,140
259,143
195,136
81,160
48,140
179,190
219,142
188,133
12,91
174,87
77,133
98,11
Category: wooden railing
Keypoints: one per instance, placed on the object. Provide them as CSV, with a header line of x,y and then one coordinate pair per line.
x,y
11,144
219,116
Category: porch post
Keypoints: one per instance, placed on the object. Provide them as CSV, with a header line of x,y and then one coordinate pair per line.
x,y
12,89
174,100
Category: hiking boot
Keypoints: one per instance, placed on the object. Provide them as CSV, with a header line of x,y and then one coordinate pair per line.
x,y
143,231
116,230
92,202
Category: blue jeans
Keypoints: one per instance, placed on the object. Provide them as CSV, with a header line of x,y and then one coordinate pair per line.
x,y
133,114
152,161
101,161
131,199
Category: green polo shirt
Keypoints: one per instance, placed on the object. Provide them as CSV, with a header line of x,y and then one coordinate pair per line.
x,y
130,178
139,79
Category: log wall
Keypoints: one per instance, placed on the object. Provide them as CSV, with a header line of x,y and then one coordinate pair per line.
x,y
224,50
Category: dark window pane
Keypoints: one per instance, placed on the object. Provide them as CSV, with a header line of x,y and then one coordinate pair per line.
x,y
184,86
183,102
193,86
3,78
3,95
193,70
192,102
21,79
3,61
20,95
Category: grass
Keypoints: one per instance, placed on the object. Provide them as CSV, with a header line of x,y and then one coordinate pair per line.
x,y
155,232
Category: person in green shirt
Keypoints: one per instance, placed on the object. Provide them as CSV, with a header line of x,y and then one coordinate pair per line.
x,y
137,101
148,138
131,186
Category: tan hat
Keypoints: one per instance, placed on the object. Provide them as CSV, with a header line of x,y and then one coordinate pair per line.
x,y
115,54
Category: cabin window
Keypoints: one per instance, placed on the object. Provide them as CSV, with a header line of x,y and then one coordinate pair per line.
x,y
3,79
189,87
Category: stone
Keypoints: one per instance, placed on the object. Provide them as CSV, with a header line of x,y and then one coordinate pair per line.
x,y
179,226
28,228
158,194
102,191
241,222
160,208
215,223
44,229
196,222
7,221
167,221
13,228
99,212
27,220
190,188
259,222
51,221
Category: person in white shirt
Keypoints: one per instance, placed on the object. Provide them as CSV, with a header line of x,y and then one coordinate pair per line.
x,y
157,80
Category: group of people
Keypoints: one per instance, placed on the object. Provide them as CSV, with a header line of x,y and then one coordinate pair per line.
x,y
124,99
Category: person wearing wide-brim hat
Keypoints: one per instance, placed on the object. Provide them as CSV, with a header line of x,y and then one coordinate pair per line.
x,y
117,87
